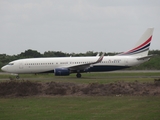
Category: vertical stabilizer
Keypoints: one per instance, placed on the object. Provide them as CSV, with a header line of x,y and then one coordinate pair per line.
x,y
142,46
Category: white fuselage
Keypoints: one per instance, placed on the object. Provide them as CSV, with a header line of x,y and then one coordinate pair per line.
x,y
43,65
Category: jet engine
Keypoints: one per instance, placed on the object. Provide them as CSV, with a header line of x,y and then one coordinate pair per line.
x,y
61,71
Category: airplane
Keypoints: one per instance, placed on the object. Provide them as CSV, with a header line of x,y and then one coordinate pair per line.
x,y
64,66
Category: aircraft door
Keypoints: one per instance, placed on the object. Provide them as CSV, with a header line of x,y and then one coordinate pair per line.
x,y
20,65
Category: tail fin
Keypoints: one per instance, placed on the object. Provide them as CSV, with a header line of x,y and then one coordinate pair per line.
x,y
142,46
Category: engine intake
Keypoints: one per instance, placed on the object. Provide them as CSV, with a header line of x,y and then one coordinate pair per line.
x,y
61,71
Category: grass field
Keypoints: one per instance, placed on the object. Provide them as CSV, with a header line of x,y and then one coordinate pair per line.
x,y
82,107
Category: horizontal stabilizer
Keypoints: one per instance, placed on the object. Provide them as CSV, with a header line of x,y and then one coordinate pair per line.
x,y
145,57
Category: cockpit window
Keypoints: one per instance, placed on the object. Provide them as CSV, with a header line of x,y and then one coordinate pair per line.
x,y
10,63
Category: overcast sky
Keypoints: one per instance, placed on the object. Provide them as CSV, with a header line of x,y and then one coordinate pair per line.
x,y
76,25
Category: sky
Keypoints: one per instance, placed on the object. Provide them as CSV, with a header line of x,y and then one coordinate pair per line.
x,y
76,25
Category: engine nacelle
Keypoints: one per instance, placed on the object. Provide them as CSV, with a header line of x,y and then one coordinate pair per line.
x,y
61,71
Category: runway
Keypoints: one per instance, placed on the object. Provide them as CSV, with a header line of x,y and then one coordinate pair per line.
x,y
118,71
122,74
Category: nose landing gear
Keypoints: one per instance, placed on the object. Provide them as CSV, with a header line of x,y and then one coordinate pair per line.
x,y
14,77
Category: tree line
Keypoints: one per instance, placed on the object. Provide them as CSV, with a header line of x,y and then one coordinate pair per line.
x,y
152,64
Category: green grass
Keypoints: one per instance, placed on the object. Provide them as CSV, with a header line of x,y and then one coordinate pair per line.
x,y
89,77
93,74
80,108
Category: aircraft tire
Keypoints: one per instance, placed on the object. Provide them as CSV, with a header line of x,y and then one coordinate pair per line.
x,y
78,75
17,77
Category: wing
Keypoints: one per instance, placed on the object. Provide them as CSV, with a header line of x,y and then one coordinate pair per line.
x,y
85,66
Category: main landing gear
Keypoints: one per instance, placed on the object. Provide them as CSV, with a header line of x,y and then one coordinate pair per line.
x,y
17,77
78,75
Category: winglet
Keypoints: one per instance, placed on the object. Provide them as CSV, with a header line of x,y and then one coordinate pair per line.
x,y
97,55
100,58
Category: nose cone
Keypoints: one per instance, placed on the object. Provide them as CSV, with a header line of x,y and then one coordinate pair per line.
x,y
4,68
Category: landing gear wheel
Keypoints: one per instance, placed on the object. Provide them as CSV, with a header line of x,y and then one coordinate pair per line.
x,y
17,77
78,75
